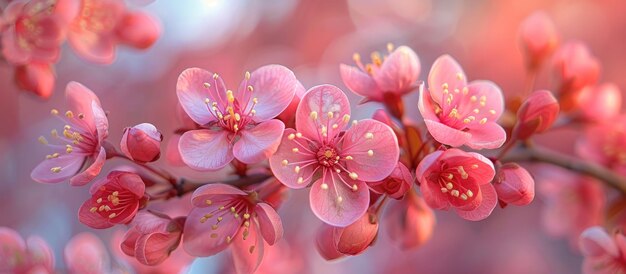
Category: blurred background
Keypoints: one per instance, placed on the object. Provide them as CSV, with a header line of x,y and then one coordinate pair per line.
x,y
311,37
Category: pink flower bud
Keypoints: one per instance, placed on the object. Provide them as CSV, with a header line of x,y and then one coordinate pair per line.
x,y
356,237
574,67
514,185
536,114
138,30
325,243
410,223
37,78
397,184
538,38
600,103
142,143
152,237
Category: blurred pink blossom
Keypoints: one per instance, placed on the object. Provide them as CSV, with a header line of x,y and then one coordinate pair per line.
x,y
605,144
19,256
603,254
600,103
410,222
35,77
85,254
538,38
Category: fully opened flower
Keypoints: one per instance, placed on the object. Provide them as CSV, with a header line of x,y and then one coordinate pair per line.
x,y
458,113
394,74
605,144
224,215
114,200
80,142
341,161
459,180
603,253
237,124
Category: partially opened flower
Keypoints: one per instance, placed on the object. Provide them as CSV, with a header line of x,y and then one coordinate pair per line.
x,y
237,124
85,253
458,180
410,222
514,185
538,38
457,113
392,75
19,256
609,147
536,114
226,216
142,143
603,253
396,184
343,160
37,78
114,200
152,237
80,143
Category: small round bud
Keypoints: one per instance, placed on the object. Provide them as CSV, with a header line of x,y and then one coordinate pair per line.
x,y
142,143
514,185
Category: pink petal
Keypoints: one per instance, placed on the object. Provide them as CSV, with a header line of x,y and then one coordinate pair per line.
x,y
383,144
248,252
205,149
399,71
286,173
600,103
259,142
100,120
489,136
325,243
154,248
93,47
485,171
130,240
595,242
138,30
85,253
447,135
433,196
490,102
91,172
90,219
37,78
70,164
197,239
40,252
360,83
131,182
269,222
425,106
327,207
356,237
192,94
215,193
11,50
274,87
515,185
489,201
444,71
426,163
79,99
172,155
410,222
322,100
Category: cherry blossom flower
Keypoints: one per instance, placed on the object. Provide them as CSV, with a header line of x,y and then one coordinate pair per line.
x,y
601,103
80,143
366,152
226,216
114,200
152,237
393,75
19,256
536,114
35,77
100,25
350,240
410,222
396,184
457,113
238,124
514,185
603,253
538,38
142,143
459,180
85,253
34,32
608,148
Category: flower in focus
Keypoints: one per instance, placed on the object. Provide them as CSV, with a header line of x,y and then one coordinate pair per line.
x,y
99,25
114,200
457,113
538,38
345,160
334,242
19,256
80,143
410,222
393,75
85,253
600,103
603,253
396,184
37,78
224,215
458,179
152,237
237,124
514,185
536,114
142,143
605,144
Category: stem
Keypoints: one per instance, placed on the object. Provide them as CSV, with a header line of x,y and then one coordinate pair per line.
x,y
568,162
161,173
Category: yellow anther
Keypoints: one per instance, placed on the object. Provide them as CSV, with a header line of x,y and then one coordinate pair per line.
x,y
69,114
450,176
251,249
300,180
444,190
324,186
54,112
330,115
464,197
228,239
284,162
56,169
493,112
353,175
449,185
335,126
355,122
213,235
42,140
354,187
255,100
476,110
250,88
339,199
459,76
296,169
465,91
483,121
207,101
370,153
295,150
291,136
349,158
454,193
313,115
112,215
246,224
247,75
208,202
474,166
299,135
473,98
356,57
215,76
237,117
214,227
346,118
444,86
246,216
93,209
229,96
369,135
232,209
470,193
206,85
68,149
389,47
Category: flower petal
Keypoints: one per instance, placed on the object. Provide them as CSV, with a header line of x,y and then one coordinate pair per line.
x,y
91,172
426,105
85,253
360,83
489,136
91,219
325,243
93,47
199,239
248,251
79,100
488,101
313,112
269,222
374,149
283,163
595,242
274,87
399,72
192,94
215,193
445,70
154,248
489,201
337,204
205,149
138,30
40,252
447,135
259,142
70,164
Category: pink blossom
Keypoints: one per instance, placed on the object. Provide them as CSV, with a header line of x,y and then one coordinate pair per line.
x,y
514,185
80,143
236,124
536,114
457,113
142,143
85,254
603,253
152,237
393,75
19,256
458,179
609,147
114,200
396,184
37,78
34,32
224,215
350,240
600,103
574,67
100,25
538,38
410,222
344,160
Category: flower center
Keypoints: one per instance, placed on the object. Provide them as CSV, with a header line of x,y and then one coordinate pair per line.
x,y
110,203
235,115
454,181
327,156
